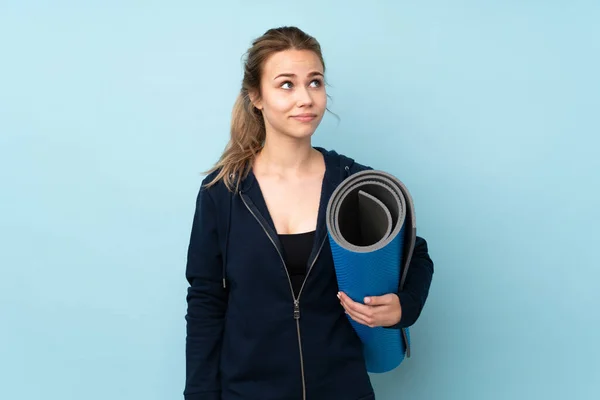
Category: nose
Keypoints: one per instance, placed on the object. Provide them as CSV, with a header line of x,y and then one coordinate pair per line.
x,y
304,97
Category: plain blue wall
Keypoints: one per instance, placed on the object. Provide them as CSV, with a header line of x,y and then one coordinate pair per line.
x,y
489,111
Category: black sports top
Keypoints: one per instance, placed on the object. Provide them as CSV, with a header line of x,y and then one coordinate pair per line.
x,y
296,251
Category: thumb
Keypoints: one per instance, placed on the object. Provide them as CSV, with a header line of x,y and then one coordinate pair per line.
x,y
379,300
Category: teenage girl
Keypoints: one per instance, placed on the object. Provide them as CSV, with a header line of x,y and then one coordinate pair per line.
x,y
265,319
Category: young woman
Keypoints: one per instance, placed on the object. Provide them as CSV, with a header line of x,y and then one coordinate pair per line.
x,y
265,320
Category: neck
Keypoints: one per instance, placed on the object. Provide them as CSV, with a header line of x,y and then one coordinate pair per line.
x,y
285,156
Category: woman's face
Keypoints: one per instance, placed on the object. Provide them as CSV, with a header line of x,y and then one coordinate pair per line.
x,y
293,98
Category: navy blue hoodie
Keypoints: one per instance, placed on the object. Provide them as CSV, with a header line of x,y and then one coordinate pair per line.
x,y
248,337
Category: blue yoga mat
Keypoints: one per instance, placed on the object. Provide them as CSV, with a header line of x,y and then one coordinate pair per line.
x,y
371,229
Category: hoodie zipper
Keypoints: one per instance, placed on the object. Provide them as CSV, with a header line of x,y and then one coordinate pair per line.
x,y
296,300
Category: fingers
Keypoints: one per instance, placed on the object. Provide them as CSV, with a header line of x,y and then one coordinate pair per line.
x,y
363,314
386,299
353,305
383,310
358,318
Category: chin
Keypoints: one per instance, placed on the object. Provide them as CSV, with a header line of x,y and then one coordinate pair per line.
x,y
304,130
301,133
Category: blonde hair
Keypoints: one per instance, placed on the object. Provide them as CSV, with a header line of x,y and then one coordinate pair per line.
x,y
247,124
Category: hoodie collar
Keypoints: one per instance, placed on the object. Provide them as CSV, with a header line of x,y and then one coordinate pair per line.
x,y
337,168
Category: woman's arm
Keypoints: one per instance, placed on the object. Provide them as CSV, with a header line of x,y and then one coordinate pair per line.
x,y
206,304
416,287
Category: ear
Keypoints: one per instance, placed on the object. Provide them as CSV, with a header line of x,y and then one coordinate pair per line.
x,y
255,100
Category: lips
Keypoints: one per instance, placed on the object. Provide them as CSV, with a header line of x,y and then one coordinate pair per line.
x,y
306,117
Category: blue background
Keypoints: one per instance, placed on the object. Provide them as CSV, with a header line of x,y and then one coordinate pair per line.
x,y
488,111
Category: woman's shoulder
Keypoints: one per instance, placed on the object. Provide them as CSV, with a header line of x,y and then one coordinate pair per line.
x,y
214,182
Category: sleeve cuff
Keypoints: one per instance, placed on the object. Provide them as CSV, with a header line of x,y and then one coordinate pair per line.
x,y
410,311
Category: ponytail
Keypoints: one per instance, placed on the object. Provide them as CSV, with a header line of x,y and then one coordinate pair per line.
x,y
247,138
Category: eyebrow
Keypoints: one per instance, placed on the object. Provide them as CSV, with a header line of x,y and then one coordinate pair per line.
x,y
289,75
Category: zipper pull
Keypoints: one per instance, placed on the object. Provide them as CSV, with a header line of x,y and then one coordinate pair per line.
x,y
296,310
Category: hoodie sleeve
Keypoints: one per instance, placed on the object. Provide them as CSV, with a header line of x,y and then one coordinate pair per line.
x,y
416,287
206,304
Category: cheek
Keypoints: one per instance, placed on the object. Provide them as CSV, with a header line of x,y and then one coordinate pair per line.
x,y
278,106
321,100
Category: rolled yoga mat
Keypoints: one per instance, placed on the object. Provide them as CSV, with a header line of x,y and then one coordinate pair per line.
x,y
371,229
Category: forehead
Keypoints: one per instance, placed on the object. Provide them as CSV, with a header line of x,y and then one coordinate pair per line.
x,y
299,62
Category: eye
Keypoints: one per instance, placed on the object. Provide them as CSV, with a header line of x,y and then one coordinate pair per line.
x,y
316,83
283,85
